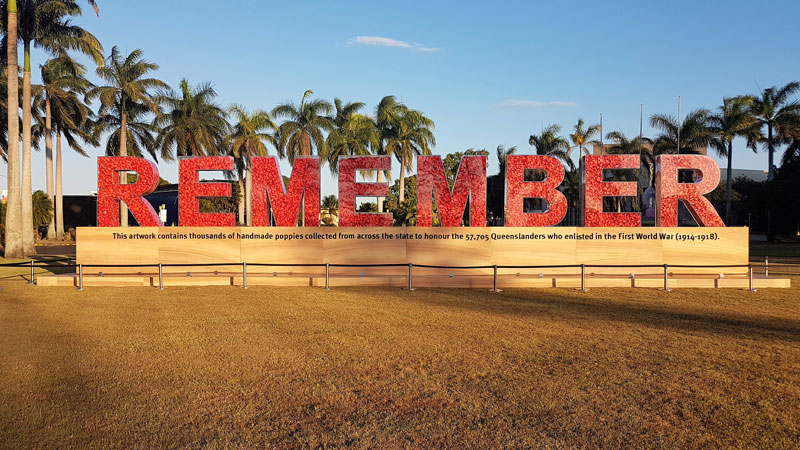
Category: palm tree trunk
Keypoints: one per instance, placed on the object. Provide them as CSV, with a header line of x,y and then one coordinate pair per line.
x,y
59,211
379,200
770,177
248,189
306,152
27,190
48,145
771,172
123,177
14,247
729,185
402,178
242,199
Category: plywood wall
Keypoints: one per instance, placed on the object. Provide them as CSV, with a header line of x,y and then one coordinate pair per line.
x,y
437,246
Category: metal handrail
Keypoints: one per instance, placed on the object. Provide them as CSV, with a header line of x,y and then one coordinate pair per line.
x,y
410,266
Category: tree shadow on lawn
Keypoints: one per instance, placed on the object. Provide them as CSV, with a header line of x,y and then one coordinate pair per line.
x,y
49,407
56,265
650,308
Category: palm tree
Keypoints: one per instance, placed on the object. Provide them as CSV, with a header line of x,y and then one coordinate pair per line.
x,y
127,93
502,158
63,80
329,208
581,137
246,141
495,184
46,25
550,143
301,134
693,133
732,119
191,122
773,110
14,246
387,113
3,112
353,134
621,145
413,135
42,209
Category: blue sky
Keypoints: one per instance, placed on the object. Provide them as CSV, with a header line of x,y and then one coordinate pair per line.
x,y
486,73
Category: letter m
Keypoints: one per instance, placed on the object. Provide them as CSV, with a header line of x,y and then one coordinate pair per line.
x,y
268,190
469,185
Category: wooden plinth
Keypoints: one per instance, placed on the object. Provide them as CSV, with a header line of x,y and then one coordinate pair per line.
x,y
427,281
421,246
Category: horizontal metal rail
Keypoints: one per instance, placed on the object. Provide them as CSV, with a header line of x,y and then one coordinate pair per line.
x,y
327,266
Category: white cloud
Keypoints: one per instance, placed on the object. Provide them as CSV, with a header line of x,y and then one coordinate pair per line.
x,y
388,42
534,104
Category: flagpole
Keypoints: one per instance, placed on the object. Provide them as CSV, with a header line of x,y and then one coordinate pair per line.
x,y
679,124
602,148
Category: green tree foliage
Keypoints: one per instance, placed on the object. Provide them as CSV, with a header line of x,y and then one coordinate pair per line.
x,y
405,211
582,136
693,133
352,134
301,134
412,135
329,210
776,112
731,120
191,123
42,208
496,185
452,161
550,143
368,207
125,102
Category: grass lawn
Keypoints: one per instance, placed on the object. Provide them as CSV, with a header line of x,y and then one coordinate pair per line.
x,y
382,367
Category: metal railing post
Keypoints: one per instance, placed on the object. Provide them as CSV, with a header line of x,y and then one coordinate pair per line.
x,y
750,270
160,277
327,276
766,266
32,280
494,283
666,277
583,277
244,275
80,277
410,284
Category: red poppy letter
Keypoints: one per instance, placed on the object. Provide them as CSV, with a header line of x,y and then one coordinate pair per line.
x,y
268,190
669,190
191,189
349,190
517,190
110,192
594,189
470,184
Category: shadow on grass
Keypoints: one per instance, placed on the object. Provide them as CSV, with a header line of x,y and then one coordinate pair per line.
x,y
54,408
571,306
56,265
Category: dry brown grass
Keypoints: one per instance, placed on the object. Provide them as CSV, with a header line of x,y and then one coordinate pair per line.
x,y
367,367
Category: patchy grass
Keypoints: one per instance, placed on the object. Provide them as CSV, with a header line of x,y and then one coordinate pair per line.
x,y
366,367
24,273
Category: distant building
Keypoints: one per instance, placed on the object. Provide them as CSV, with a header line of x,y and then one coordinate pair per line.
x,y
753,174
